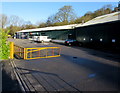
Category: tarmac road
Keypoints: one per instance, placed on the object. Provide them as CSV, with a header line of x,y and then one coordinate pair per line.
x,y
77,69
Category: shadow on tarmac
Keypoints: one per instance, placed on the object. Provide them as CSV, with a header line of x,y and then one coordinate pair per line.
x,y
9,82
109,55
50,78
107,72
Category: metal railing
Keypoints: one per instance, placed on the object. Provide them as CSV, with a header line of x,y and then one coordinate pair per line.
x,y
19,51
44,52
35,53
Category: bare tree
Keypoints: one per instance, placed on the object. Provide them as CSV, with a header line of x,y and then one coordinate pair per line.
x,y
65,14
52,19
16,21
3,20
28,25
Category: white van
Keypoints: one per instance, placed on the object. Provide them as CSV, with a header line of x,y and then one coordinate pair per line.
x,y
42,39
35,38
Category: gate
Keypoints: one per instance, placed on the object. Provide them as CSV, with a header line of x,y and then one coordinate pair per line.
x,y
19,51
44,52
35,53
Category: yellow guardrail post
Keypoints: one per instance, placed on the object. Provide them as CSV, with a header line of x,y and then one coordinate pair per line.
x,y
11,50
25,53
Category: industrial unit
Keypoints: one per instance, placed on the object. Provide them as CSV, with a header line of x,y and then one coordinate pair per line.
x,y
102,31
56,32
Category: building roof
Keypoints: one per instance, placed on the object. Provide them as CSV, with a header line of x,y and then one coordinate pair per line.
x,y
50,28
102,19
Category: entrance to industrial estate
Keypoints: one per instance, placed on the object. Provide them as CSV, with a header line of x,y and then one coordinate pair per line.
x,y
34,53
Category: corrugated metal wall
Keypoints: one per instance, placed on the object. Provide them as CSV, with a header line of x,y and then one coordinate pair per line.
x,y
100,34
58,34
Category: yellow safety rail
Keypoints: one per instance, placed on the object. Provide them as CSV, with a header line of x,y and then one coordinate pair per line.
x,y
19,51
35,53
43,52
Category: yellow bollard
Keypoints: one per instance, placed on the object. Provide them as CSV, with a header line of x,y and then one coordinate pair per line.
x,y
11,50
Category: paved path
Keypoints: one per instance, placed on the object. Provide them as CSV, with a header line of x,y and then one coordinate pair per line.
x,y
78,69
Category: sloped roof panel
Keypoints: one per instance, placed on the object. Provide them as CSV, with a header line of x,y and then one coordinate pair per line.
x,y
102,19
50,28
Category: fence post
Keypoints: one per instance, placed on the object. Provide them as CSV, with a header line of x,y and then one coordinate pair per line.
x,y
25,53
11,50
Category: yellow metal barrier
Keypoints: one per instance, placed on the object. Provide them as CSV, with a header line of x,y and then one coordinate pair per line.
x,y
19,51
44,52
11,50
35,53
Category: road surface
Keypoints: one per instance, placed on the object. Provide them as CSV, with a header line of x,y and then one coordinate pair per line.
x,y
77,69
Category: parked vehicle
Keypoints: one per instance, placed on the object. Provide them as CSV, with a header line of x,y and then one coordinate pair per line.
x,y
35,38
71,42
42,39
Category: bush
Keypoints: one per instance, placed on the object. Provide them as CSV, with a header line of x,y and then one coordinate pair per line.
x,y
4,45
